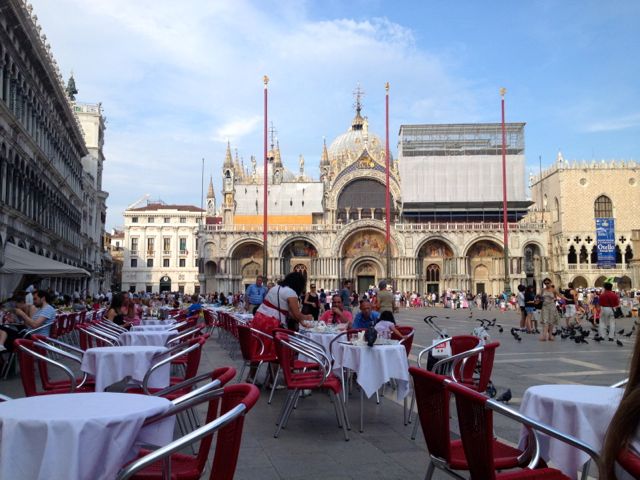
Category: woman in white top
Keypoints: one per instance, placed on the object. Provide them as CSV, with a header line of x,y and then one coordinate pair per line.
x,y
281,306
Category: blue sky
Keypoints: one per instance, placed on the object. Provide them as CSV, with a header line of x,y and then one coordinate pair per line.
x,y
177,79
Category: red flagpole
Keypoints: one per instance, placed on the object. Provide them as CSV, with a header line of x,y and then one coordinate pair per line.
x,y
264,200
387,196
505,221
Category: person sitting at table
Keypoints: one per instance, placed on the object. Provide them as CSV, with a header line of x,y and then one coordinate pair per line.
x,y
625,422
117,311
195,306
337,314
366,317
386,325
44,316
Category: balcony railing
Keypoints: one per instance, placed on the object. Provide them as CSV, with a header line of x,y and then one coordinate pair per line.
x,y
184,252
401,227
166,252
133,252
151,252
586,267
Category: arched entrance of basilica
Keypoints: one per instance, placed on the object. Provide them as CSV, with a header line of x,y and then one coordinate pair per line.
x,y
246,265
434,265
366,273
364,256
298,256
486,266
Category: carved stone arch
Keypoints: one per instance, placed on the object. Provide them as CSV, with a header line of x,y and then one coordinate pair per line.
x,y
287,241
231,250
352,271
440,238
490,238
356,225
343,181
535,243
208,250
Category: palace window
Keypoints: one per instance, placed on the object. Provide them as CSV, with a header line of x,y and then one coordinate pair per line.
x,y
165,262
134,262
134,219
603,208
149,262
183,262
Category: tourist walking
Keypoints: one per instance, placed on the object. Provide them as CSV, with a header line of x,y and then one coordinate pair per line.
x,y
255,294
549,314
609,301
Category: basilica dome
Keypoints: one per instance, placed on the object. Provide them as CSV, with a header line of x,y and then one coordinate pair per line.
x,y
349,146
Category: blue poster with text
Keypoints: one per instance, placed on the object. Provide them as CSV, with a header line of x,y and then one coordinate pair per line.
x,y
606,242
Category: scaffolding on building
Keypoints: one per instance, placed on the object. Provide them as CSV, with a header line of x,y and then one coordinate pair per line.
x,y
459,139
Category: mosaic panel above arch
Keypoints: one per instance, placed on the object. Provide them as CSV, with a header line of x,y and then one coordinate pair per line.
x,y
365,242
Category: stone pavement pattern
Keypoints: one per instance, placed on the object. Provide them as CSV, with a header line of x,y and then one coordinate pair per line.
x,y
312,446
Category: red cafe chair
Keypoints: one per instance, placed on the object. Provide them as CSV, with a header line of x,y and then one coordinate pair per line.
x,y
475,418
445,453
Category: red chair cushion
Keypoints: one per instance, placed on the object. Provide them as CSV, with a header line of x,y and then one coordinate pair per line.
x,y
505,456
538,473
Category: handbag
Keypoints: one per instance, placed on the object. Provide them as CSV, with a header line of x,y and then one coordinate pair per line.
x,y
371,335
442,348
617,312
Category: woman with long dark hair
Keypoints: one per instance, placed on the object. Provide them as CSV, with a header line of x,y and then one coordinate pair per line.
x,y
624,423
118,310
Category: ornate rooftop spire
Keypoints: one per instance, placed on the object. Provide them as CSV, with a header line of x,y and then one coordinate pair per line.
x,y
277,158
228,161
324,160
71,89
358,121
211,193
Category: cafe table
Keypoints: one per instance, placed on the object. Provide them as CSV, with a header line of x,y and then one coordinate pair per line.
x,y
111,364
374,366
77,435
582,411
154,338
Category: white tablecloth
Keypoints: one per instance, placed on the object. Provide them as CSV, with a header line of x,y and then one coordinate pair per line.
x,y
77,435
111,364
375,366
153,338
145,328
582,411
323,339
243,318
155,321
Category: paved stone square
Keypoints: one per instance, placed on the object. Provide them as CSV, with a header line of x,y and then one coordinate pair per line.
x,y
312,446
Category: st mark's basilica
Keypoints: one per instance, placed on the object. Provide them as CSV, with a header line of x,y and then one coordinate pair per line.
x,y
446,214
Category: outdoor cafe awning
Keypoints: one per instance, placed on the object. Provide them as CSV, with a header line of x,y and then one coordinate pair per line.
x,y
21,261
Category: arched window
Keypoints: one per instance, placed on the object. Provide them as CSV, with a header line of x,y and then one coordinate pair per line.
x,y
572,257
433,273
556,210
603,208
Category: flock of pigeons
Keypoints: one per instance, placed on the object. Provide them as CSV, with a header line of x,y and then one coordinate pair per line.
x,y
577,333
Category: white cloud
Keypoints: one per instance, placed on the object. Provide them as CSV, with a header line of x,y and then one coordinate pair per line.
x,y
613,124
177,79
236,129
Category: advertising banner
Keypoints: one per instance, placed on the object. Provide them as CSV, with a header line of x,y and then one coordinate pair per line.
x,y
606,242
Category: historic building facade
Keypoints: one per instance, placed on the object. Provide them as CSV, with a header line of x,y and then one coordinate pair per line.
x,y
333,228
42,147
569,196
160,248
97,260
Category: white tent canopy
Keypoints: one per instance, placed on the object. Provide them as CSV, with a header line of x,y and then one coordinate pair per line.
x,y
23,262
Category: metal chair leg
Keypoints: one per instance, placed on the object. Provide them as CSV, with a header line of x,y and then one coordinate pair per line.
x,y
273,386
